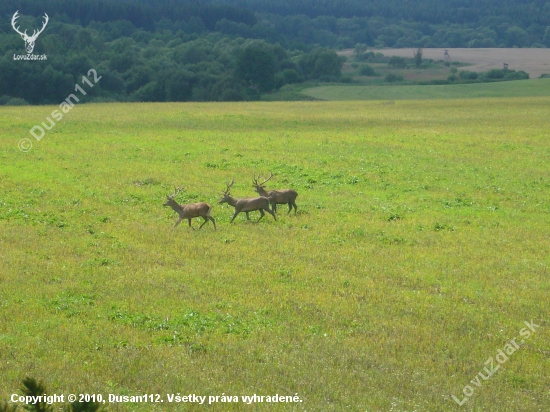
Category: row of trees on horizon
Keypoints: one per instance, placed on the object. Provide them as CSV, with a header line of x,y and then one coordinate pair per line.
x,y
169,50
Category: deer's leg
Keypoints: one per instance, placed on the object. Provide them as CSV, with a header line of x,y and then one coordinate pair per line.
x,y
235,215
295,206
205,222
271,213
262,214
289,207
247,217
213,221
190,224
178,222
274,207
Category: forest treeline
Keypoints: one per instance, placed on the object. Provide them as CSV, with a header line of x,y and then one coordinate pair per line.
x,y
174,50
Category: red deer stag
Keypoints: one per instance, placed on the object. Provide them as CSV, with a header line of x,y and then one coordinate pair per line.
x,y
246,205
190,211
276,197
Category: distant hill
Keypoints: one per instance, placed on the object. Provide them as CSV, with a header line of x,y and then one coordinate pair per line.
x,y
521,12
173,50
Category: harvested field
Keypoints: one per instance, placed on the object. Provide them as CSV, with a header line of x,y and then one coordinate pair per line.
x,y
533,61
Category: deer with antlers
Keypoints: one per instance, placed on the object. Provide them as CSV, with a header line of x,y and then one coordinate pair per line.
x,y
276,197
246,205
190,211
29,40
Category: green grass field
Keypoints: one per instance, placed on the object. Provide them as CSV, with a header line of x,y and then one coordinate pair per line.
x,y
419,250
519,88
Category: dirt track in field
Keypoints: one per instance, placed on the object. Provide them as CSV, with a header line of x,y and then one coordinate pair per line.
x,y
533,61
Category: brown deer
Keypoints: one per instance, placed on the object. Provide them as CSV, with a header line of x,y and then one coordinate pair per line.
x,y
246,205
190,211
276,197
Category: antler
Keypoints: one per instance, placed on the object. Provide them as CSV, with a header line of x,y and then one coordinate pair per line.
x,y
177,190
37,32
13,20
228,187
255,181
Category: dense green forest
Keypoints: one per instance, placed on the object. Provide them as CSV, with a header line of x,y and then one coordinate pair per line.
x,y
168,50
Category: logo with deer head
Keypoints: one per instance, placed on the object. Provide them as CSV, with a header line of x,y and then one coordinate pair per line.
x,y
29,40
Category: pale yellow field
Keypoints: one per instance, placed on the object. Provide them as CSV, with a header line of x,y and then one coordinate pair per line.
x,y
533,61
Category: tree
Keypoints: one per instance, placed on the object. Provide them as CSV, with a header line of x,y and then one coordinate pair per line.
x,y
328,64
82,39
546,38
516,36
122,62
256,65
366,70
392,78
397,61
418,57
178,86
360,48
321,62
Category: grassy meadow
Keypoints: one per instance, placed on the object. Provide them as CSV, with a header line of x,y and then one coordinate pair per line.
x,y
519,88
419,249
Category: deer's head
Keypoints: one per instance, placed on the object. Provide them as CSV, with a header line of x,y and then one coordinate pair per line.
x,y
170,199
227,193
260,187
29,40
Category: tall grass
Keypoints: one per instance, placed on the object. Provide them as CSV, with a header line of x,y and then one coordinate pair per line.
x,y
419,249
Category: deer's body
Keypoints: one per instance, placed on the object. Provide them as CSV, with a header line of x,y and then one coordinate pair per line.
x,y
280,197
190,211
247,205
277,197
